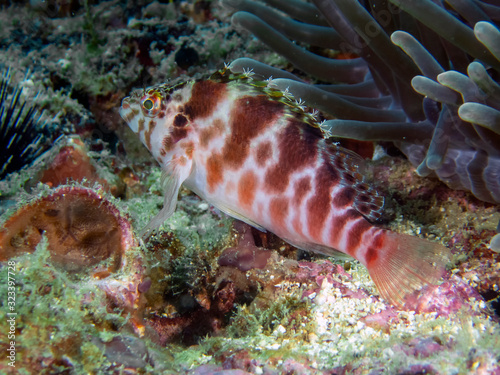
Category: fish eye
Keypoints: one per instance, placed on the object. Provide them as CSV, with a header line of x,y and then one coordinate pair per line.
x,y
148,104
151,104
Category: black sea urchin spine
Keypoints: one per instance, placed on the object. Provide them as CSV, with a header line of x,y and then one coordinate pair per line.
x,y
20,129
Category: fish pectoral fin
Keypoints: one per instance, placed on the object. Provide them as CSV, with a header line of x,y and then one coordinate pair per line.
x,y
171,186
321,249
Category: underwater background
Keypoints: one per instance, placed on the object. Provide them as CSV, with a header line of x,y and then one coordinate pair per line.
x,y
81,292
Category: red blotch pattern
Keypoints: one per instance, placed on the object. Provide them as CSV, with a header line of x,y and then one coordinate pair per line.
x,y
205,96
207,134
250,116
214,171
263,153
278,210
247,187
356,233
167,143
175,136
188,149
297,149
148,132
372,252
246,121
302,187
319,205
344,197
142,122
180,121
297,225
338,226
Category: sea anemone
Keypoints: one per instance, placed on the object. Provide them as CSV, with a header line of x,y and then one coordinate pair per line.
x,y
424,76
21,131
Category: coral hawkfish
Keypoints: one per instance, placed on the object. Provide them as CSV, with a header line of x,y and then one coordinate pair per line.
x,y
250,150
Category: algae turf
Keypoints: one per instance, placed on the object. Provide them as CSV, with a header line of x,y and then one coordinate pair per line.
x,y
62,325
53,326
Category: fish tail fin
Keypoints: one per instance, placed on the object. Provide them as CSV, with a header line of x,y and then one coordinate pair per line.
x,y
400,264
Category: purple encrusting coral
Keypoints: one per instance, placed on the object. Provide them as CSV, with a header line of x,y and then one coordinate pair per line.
x,y
426,77
246,255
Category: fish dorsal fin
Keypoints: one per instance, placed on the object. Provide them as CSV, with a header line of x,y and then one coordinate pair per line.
x,y
367,200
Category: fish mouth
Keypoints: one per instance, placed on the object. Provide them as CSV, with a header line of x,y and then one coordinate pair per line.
x,y
124,108
130,113
125,101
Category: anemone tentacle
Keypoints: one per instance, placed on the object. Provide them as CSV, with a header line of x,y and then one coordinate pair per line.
x,y
432,78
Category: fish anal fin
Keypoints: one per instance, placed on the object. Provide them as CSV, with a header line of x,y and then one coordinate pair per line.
x,y
320,249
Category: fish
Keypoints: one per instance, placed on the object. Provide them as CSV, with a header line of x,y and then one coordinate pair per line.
x,y
256,154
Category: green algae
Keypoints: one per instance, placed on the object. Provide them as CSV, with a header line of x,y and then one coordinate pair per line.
x,y
326,331
54,316
256,320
